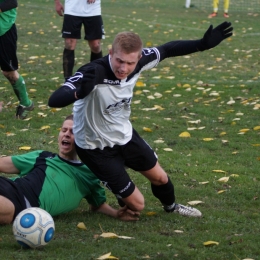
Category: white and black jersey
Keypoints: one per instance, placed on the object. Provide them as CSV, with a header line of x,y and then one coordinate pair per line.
x,y
101,118
82,8
105,111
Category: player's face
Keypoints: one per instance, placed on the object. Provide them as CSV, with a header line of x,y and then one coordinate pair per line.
x,y
123,64
66,141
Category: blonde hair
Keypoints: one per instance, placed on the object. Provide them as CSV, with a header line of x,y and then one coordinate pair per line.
x,y
127,42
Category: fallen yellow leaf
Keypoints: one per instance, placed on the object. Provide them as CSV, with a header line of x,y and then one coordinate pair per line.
x,y
44,127
25,148
207,139
10,134
140,84
151,213
109,235
184,134
257,128
138,92
218,171
27,119
204,182
244,130
159,141
125,237
158,107
81,225
146,129
178,231
210,243
223,179
195,202
107,256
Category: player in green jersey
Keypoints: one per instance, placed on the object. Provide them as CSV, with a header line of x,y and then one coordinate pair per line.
x,y
54,182
8,57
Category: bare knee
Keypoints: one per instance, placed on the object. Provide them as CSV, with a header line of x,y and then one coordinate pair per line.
x,y
135,201
70,44
12,76
95,46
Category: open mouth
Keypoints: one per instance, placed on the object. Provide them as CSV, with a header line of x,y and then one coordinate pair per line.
x,y
65,143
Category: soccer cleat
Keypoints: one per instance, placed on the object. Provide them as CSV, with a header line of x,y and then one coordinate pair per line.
x,y
226,15
186,211
22,111
214,14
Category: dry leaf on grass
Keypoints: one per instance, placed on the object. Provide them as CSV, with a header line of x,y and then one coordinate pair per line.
x,y
210,243
81,225
107,256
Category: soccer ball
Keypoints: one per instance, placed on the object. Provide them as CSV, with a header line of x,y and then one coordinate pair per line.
x,y
33,227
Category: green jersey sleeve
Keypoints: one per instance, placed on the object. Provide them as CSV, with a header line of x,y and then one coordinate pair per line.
x,y
25,162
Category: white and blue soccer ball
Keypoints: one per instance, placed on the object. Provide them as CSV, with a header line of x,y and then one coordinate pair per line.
x,y
33,227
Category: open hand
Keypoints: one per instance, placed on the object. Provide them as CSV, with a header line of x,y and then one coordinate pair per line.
x,y
213,37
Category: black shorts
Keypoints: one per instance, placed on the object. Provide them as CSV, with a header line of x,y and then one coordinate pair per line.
x,y
8,47
109,164
93,27
10,190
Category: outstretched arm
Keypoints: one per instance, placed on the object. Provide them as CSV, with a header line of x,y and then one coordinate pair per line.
x,y
211,39
76,87
124,213
7,166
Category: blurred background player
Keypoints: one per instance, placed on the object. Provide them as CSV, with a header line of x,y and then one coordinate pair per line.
x,y
8,57
78,13
215,8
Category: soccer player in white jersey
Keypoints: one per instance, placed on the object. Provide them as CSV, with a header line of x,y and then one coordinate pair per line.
x,y
105,138
78,13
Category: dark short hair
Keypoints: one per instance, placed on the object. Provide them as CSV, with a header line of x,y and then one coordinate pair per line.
x,y
70,117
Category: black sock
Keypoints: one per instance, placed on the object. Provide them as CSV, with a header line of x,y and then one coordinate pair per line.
x,y
95,56
165,193
68,62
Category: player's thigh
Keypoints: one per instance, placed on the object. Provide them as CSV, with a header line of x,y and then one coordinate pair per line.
x,y
156,175
10,191
8,46
7,210
94,28
71,27
138,154
108,166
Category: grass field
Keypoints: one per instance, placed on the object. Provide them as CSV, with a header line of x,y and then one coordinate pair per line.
x,y
213,95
